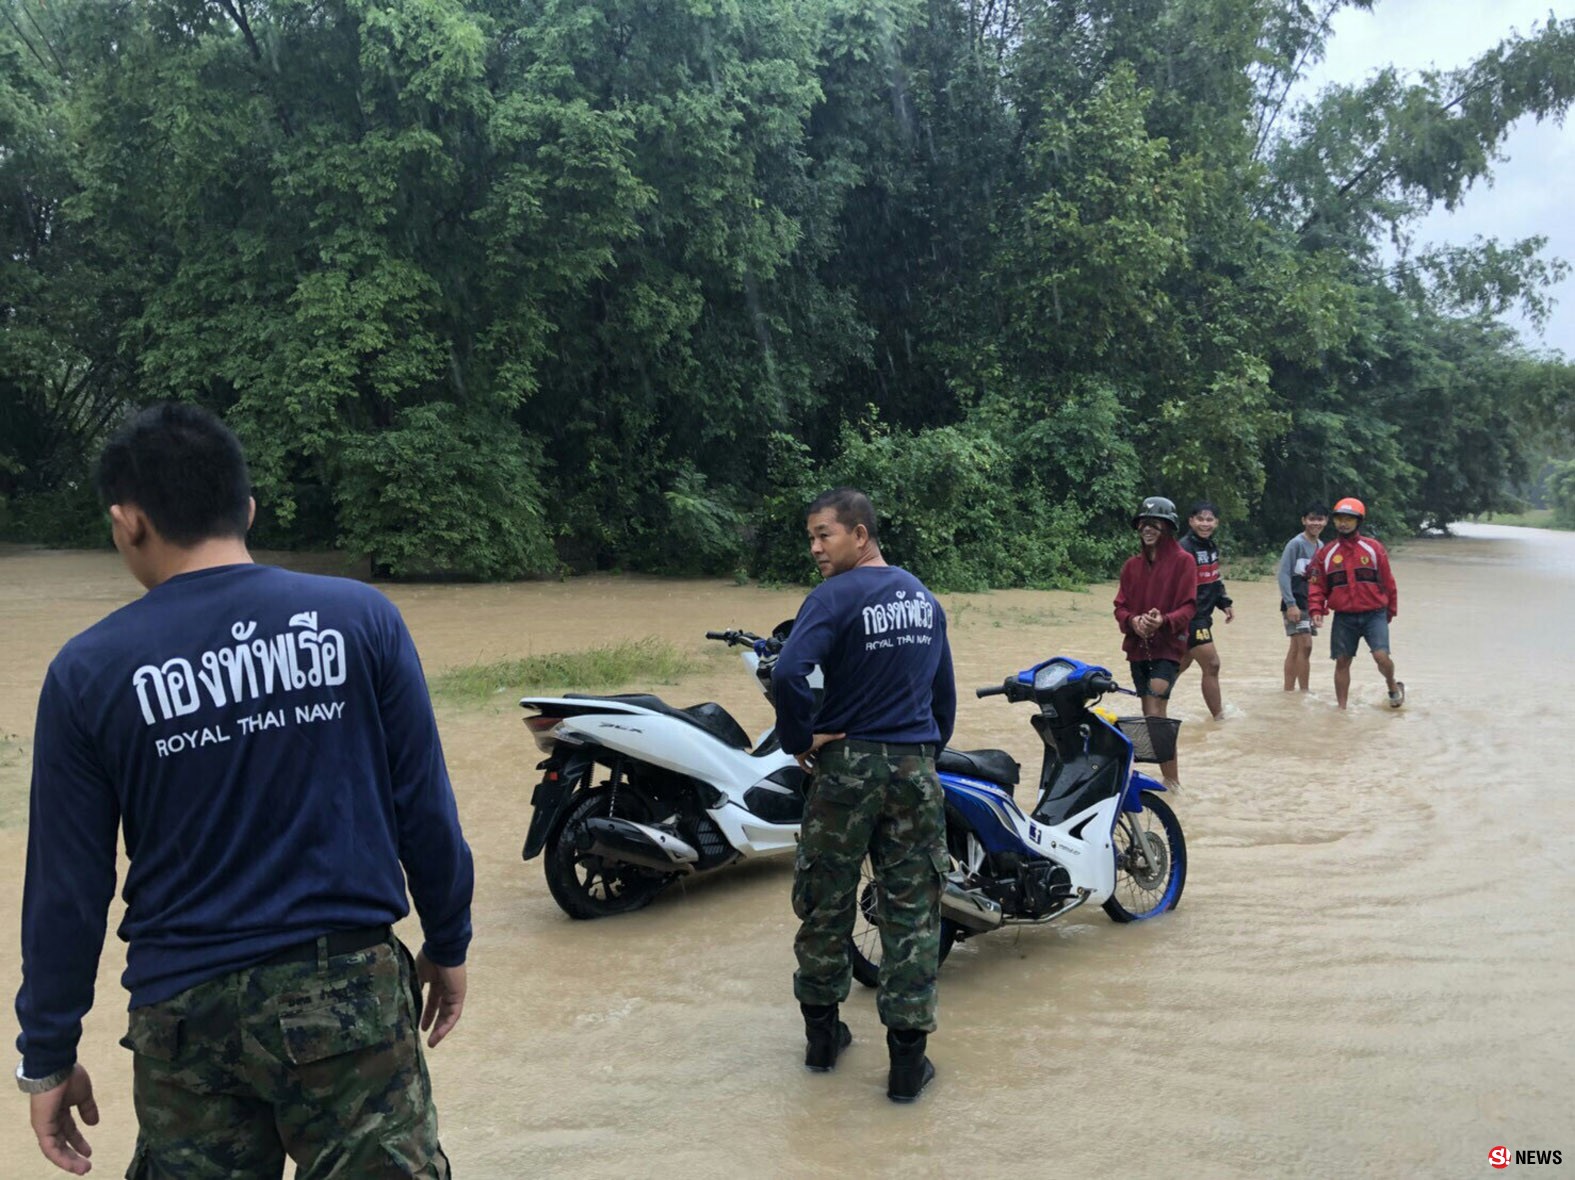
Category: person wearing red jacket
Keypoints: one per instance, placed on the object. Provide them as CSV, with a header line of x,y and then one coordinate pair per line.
x,y
1155,603
1350,576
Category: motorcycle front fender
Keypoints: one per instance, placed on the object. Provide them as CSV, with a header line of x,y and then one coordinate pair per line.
x,y
1136,785
552,796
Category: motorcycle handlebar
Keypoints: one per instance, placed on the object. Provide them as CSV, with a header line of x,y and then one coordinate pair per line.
x,y
1096,686
739,638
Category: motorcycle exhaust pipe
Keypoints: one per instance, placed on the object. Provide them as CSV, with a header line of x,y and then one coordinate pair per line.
x,y
972,911
636,844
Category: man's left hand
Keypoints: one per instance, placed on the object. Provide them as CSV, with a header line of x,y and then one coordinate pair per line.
x,y
806,760
1230,615
59,1137
445,997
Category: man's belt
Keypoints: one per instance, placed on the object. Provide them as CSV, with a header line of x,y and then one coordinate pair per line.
x,y
340,942
892,749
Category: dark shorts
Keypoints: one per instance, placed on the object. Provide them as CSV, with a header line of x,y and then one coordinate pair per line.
x,y
1145,670
1348,630
1201,630
1302,626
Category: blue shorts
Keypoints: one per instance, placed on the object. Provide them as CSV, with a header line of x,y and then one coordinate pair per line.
x,y
1348,630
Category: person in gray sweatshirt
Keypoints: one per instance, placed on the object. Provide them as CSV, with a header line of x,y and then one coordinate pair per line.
x,y
1299,625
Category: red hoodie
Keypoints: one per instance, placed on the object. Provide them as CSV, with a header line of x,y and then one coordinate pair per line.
x,y
1169,582
1350,575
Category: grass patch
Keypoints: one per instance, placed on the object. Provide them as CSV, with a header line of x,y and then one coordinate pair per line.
x,y
1251,567
1532,518
643,661
1017,616
13,781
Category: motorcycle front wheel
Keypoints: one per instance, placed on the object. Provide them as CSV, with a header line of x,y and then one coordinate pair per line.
x,y
1151,862
864,947
589,886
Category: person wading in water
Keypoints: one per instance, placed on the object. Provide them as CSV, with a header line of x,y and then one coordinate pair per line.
x,y
1155,605
1351,577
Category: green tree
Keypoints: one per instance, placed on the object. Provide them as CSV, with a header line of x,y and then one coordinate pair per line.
x,y
645,278
441,492
1561,491
61,377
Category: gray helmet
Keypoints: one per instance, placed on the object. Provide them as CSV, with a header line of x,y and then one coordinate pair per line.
x,y
1160,509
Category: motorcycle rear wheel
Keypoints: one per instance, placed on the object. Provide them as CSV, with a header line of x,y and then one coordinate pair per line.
x,y
587,886
864,947
1150,878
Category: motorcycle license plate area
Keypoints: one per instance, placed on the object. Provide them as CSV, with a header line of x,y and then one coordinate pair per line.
x,y
546,800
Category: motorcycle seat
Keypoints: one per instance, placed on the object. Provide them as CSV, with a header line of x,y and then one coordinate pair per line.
x,y
995,766
708,715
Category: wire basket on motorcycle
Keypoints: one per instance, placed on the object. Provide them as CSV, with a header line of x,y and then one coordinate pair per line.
x,y
1153,738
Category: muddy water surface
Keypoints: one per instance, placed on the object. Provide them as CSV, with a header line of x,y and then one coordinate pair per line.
x,y
1372,971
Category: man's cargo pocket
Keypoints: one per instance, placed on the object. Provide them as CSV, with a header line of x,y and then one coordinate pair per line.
x,y
803,885
419,1161
139,1168
336,1025
838,790
153,1033
412,980
941,862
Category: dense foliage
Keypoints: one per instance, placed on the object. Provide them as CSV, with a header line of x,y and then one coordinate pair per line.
x,y
1561,490
493,287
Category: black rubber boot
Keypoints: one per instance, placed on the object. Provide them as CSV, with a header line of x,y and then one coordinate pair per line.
x,y
827,1036
911,1070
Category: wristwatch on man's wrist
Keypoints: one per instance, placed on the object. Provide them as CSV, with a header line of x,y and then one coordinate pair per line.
x,y
41,1085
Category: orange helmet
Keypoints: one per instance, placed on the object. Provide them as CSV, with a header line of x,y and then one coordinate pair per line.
x,y
1350,506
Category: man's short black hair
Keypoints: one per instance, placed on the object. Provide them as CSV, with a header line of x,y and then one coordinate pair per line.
x,y
1317,510
181,466
853,508
1203,506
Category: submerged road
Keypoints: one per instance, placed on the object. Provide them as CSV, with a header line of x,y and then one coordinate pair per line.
x,y
1370,972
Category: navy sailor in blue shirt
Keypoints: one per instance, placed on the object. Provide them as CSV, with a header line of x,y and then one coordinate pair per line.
x,y
264,742
879,637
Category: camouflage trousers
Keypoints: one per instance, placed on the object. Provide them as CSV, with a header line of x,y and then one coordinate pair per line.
x,y
319,1061
869,800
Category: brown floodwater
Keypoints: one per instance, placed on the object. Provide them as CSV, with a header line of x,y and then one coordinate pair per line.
x,y
1371,973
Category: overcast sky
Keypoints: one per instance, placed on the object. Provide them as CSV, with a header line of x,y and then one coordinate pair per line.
x,y
1533,188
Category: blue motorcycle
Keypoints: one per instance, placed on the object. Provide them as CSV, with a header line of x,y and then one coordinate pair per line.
x,y
1099,832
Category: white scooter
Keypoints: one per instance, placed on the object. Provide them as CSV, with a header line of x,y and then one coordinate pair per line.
x,y
684,792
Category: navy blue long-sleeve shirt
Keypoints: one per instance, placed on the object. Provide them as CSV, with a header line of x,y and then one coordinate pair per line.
x,y
880,639
266,743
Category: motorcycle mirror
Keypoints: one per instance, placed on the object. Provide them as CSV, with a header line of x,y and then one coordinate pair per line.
x,y
782,630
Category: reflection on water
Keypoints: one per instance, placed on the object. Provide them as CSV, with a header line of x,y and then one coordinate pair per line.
x,y
1368,973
